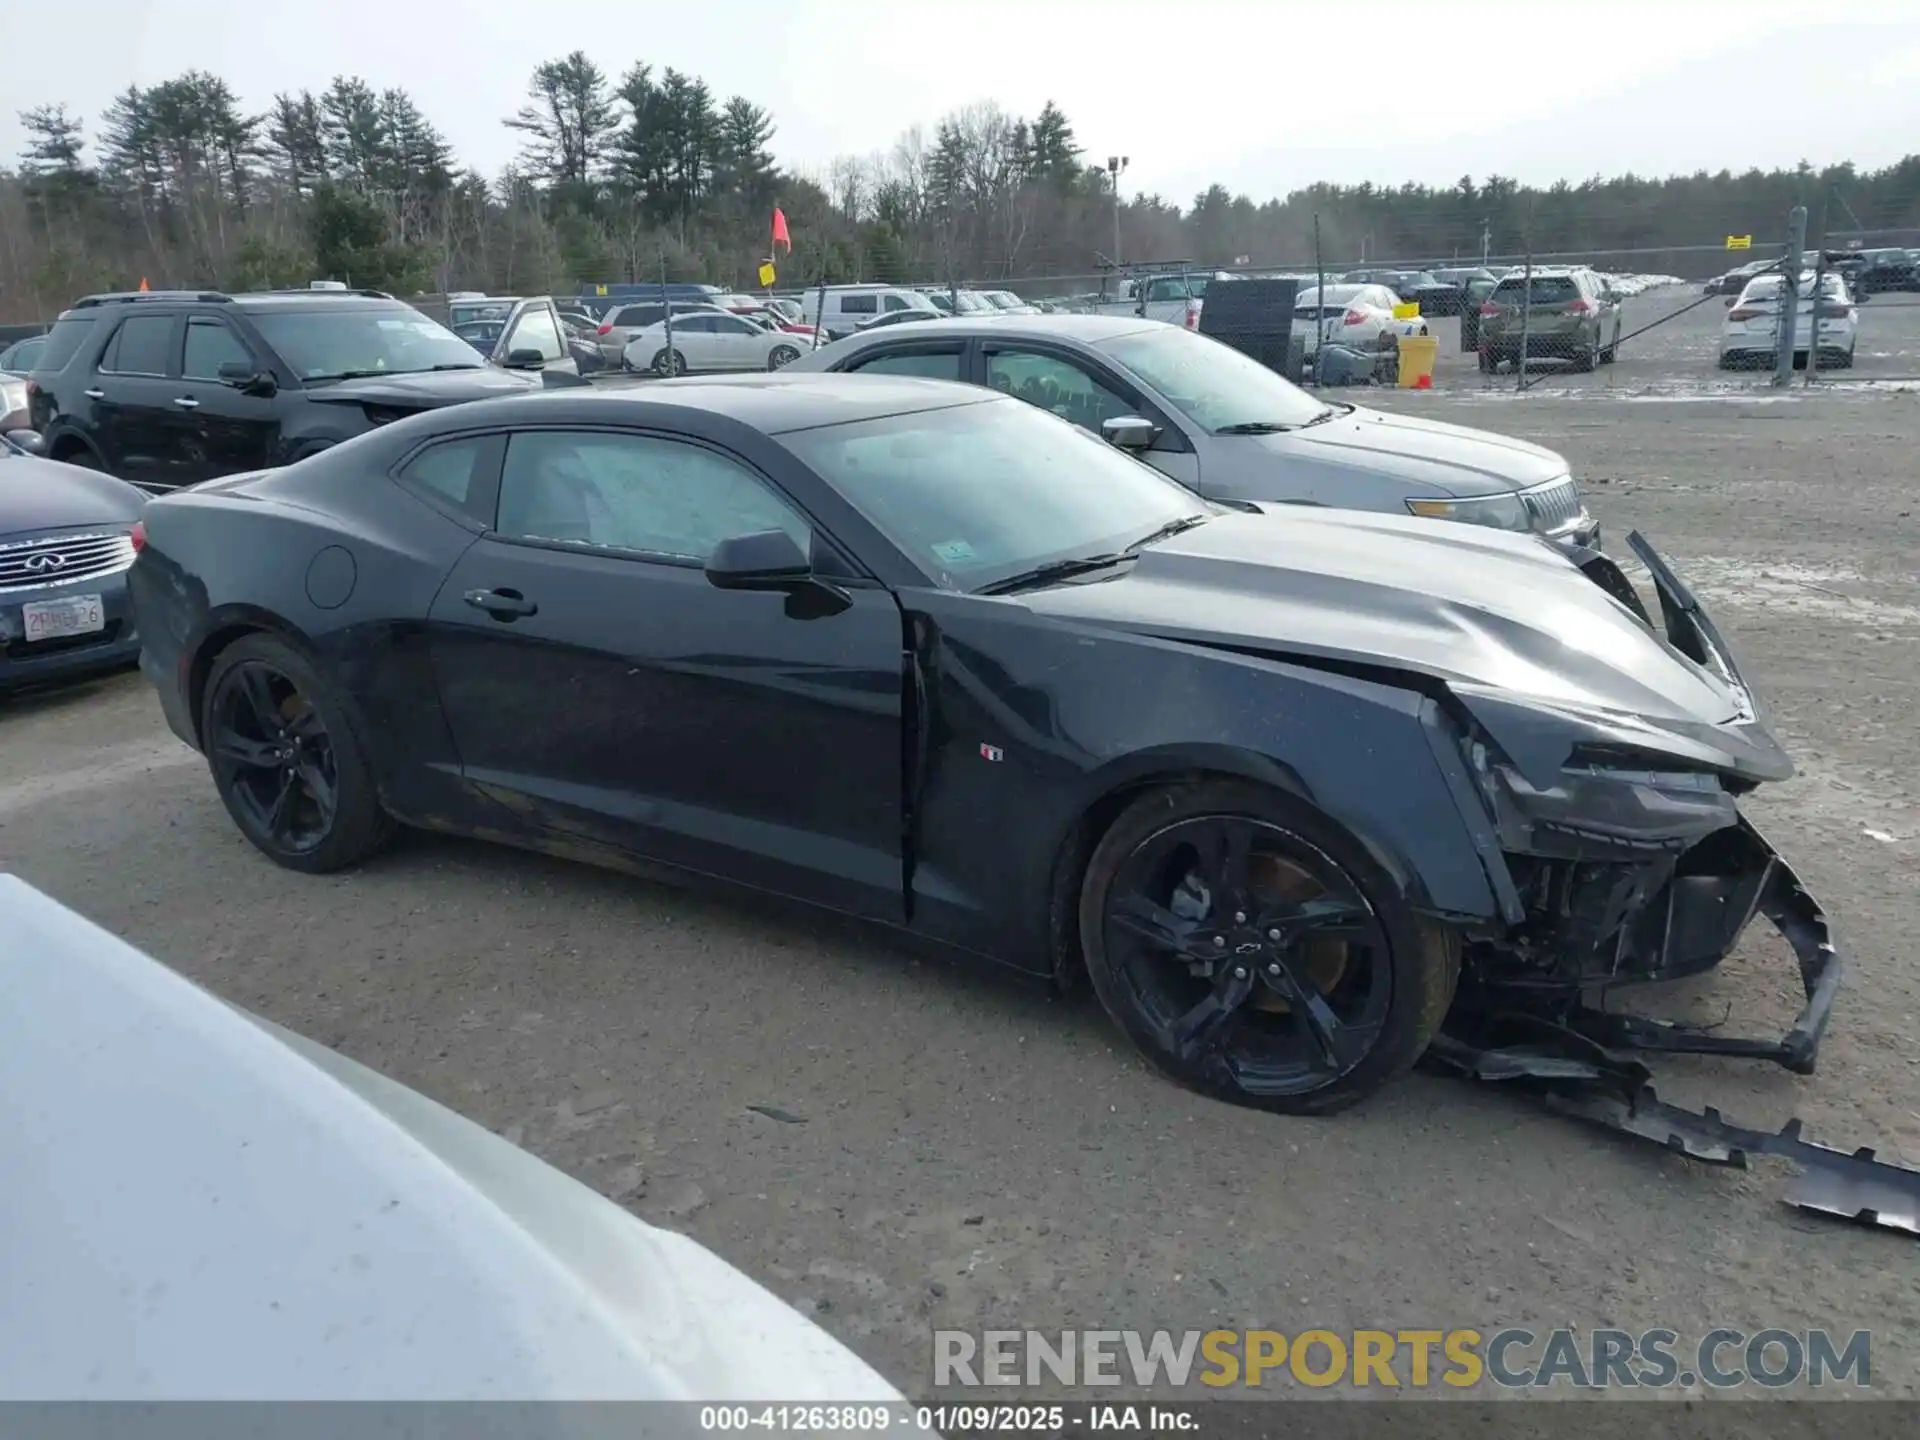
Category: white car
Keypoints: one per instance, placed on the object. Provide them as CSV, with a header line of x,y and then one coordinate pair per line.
x,y
1008,303
1357,315
1750,335
202,1206
710,341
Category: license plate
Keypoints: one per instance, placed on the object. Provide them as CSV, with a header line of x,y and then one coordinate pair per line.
x,y
52,619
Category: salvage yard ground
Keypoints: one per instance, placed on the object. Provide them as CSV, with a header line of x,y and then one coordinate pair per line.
x,y
940,1147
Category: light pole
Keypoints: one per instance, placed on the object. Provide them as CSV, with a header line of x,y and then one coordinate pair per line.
x,y
1116,166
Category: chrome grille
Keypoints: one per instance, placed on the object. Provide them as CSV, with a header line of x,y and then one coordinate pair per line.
x,y
62,560
1554,504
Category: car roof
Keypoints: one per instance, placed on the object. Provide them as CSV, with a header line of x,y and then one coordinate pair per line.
x,y
770,403
1087,329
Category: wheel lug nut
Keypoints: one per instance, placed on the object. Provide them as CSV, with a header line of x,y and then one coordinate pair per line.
x,y
1273,969
1273,934
1219,942
1239,972
1239,917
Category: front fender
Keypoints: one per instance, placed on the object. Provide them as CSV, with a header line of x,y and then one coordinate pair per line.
x,y
1032,723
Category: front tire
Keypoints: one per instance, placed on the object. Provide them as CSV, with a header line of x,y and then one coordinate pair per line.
x,y
782,356
286,761
1252,950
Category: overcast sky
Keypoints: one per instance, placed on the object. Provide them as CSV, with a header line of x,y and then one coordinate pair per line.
x,y
1261,95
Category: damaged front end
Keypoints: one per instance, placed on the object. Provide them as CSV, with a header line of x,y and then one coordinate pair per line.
x,y
1618,856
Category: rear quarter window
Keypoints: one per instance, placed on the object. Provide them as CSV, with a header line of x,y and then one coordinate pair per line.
x,y
63,343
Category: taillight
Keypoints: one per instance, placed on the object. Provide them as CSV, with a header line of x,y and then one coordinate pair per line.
x,y
1745,312
137,536
1489,309
1578,307
1193,315
1837,312
607,329
1354,317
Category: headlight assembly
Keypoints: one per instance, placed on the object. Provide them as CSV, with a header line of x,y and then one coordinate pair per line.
x,y
1597,810
1499,512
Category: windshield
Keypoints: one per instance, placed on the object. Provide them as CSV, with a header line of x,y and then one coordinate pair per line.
x,y
976,493
1336,295
1212,384
328,344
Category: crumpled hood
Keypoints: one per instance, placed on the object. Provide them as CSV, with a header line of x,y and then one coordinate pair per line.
x,y
1466,605
1453,459
426,392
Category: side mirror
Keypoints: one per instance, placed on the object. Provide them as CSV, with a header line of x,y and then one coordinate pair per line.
x,y
248,381
31,441
764,560
1129,432
525,358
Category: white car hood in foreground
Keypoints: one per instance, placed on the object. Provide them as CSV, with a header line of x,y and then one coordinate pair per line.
x,y
199,1205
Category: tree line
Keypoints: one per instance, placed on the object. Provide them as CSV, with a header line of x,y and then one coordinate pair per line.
x,y
650,174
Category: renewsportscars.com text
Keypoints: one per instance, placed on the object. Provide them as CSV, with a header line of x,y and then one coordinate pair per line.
x,y
1511,1358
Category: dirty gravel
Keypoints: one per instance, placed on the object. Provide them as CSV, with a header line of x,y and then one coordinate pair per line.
x,y
894,1143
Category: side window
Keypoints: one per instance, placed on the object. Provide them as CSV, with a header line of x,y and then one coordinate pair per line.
x,y
536,331
1057,385
697,324
140,346
857,305
894,302
733,325
934,364
635,492
461,473
208,346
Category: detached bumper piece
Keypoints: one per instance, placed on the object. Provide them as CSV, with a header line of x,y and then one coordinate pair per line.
x,y
1575,1059
1854,1186
1575,1076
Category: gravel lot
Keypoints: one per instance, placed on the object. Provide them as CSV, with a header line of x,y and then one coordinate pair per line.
x,y
976,1154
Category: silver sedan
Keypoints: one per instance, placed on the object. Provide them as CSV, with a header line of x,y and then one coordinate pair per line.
x,y
1225,425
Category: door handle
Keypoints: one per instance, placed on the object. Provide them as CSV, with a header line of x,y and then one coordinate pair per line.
x,y
508,605
94,394
187,402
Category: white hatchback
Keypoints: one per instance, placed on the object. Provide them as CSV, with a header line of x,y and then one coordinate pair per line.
x,y
710,340
1750,335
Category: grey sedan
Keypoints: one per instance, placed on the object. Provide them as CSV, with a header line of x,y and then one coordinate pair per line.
x,y
1225,425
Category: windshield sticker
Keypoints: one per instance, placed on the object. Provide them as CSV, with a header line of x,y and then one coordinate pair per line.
x,y
954,552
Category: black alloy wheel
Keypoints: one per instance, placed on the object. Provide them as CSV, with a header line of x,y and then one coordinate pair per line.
x,y
1253,951
288,769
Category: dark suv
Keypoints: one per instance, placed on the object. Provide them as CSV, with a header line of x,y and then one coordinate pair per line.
x,y
169,388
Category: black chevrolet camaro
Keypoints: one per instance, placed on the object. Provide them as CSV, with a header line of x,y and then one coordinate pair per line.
x,y
1292,789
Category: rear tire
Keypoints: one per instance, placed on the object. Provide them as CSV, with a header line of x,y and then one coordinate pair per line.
x,y
669,363
83,460
1584,361
284,757
1371,1005
1488,365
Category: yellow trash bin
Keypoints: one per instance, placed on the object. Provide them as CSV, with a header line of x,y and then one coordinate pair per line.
x,y
1417,356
